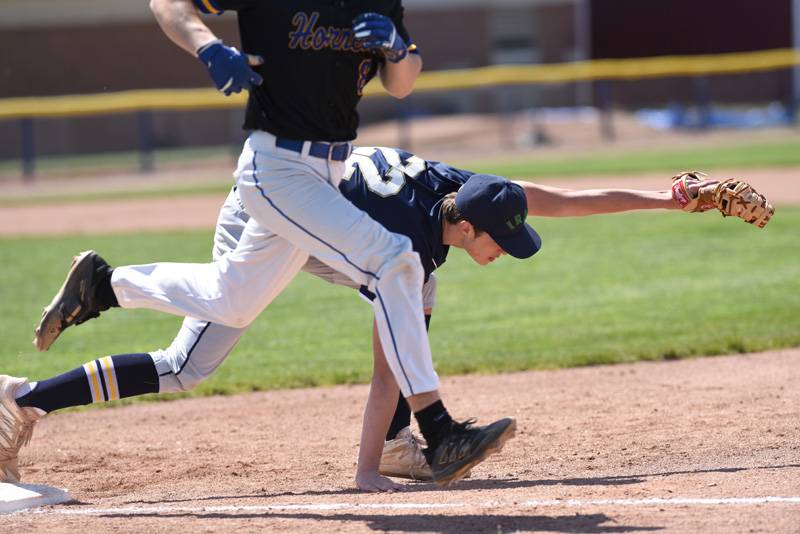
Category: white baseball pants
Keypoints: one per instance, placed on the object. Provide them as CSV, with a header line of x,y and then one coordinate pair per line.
x,y
296,211
200,347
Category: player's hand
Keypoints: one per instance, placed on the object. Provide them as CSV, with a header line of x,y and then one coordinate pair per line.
x,y
377,32
375,482
229,68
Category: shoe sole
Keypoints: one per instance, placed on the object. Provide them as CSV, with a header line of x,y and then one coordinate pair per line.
x,y
406,474
410,476
495,446
49,327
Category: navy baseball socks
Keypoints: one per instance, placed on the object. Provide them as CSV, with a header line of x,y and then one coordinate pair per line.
x,y
106,379
401,418
433,421
23,403
84,294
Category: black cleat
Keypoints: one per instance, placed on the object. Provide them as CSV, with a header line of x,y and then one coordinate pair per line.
x,y
76,301
465,446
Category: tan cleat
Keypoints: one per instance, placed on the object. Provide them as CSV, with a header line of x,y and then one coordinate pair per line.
x,y
403,458
16,427
75,303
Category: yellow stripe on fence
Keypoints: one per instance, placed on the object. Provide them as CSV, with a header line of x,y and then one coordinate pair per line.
x,y
599,69
120,102
606,69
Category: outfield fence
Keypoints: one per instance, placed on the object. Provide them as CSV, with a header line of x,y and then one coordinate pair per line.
x,y
601,72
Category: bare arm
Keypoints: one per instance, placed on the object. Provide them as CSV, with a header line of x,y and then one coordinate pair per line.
x,y
182,24
398,78
378,413
550,201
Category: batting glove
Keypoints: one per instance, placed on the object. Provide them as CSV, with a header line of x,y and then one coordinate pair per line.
x,y
229,68
377,32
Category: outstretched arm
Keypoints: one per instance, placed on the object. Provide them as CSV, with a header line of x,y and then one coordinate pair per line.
x,y
548,201
690,192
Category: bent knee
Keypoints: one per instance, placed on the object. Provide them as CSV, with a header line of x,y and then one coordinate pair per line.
x,y
236,312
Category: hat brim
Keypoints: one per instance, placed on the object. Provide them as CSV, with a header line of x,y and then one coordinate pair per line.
x,y
522,244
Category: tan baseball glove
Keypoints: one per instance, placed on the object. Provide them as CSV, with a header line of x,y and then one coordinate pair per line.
x,y
730,197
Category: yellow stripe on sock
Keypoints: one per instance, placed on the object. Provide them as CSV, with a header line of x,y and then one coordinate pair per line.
x,y
94,384
111,378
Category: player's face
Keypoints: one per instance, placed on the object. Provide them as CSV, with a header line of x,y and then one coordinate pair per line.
x,y
483,248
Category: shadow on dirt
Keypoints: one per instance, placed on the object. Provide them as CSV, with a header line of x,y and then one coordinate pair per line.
x,y
436,523
486,484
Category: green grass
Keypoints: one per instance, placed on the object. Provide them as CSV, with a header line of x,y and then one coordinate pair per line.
x,y
603,289
736,156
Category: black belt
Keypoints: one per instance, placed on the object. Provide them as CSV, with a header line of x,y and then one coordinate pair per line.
x,y
318,149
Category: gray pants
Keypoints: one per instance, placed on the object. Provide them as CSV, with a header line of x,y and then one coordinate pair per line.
x,y
200,346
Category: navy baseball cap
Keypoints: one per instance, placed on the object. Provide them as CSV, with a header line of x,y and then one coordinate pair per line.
x,y
499,207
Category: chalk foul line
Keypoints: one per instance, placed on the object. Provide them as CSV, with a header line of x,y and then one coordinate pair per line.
x,y
325,507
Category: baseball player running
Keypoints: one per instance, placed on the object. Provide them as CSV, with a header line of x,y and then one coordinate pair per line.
x,y
306,66
421,203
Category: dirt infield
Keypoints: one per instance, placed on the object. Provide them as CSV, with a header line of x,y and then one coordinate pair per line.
x,y
704,445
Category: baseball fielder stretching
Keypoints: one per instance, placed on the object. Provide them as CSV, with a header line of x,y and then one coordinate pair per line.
x,y
435,205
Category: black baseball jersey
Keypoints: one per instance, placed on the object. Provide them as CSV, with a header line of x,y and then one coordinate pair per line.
x,y
314,69
404,193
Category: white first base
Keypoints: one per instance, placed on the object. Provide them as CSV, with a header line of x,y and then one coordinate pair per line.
x,y
15,497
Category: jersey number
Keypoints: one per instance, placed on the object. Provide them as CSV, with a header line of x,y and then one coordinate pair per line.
x,y
393,179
